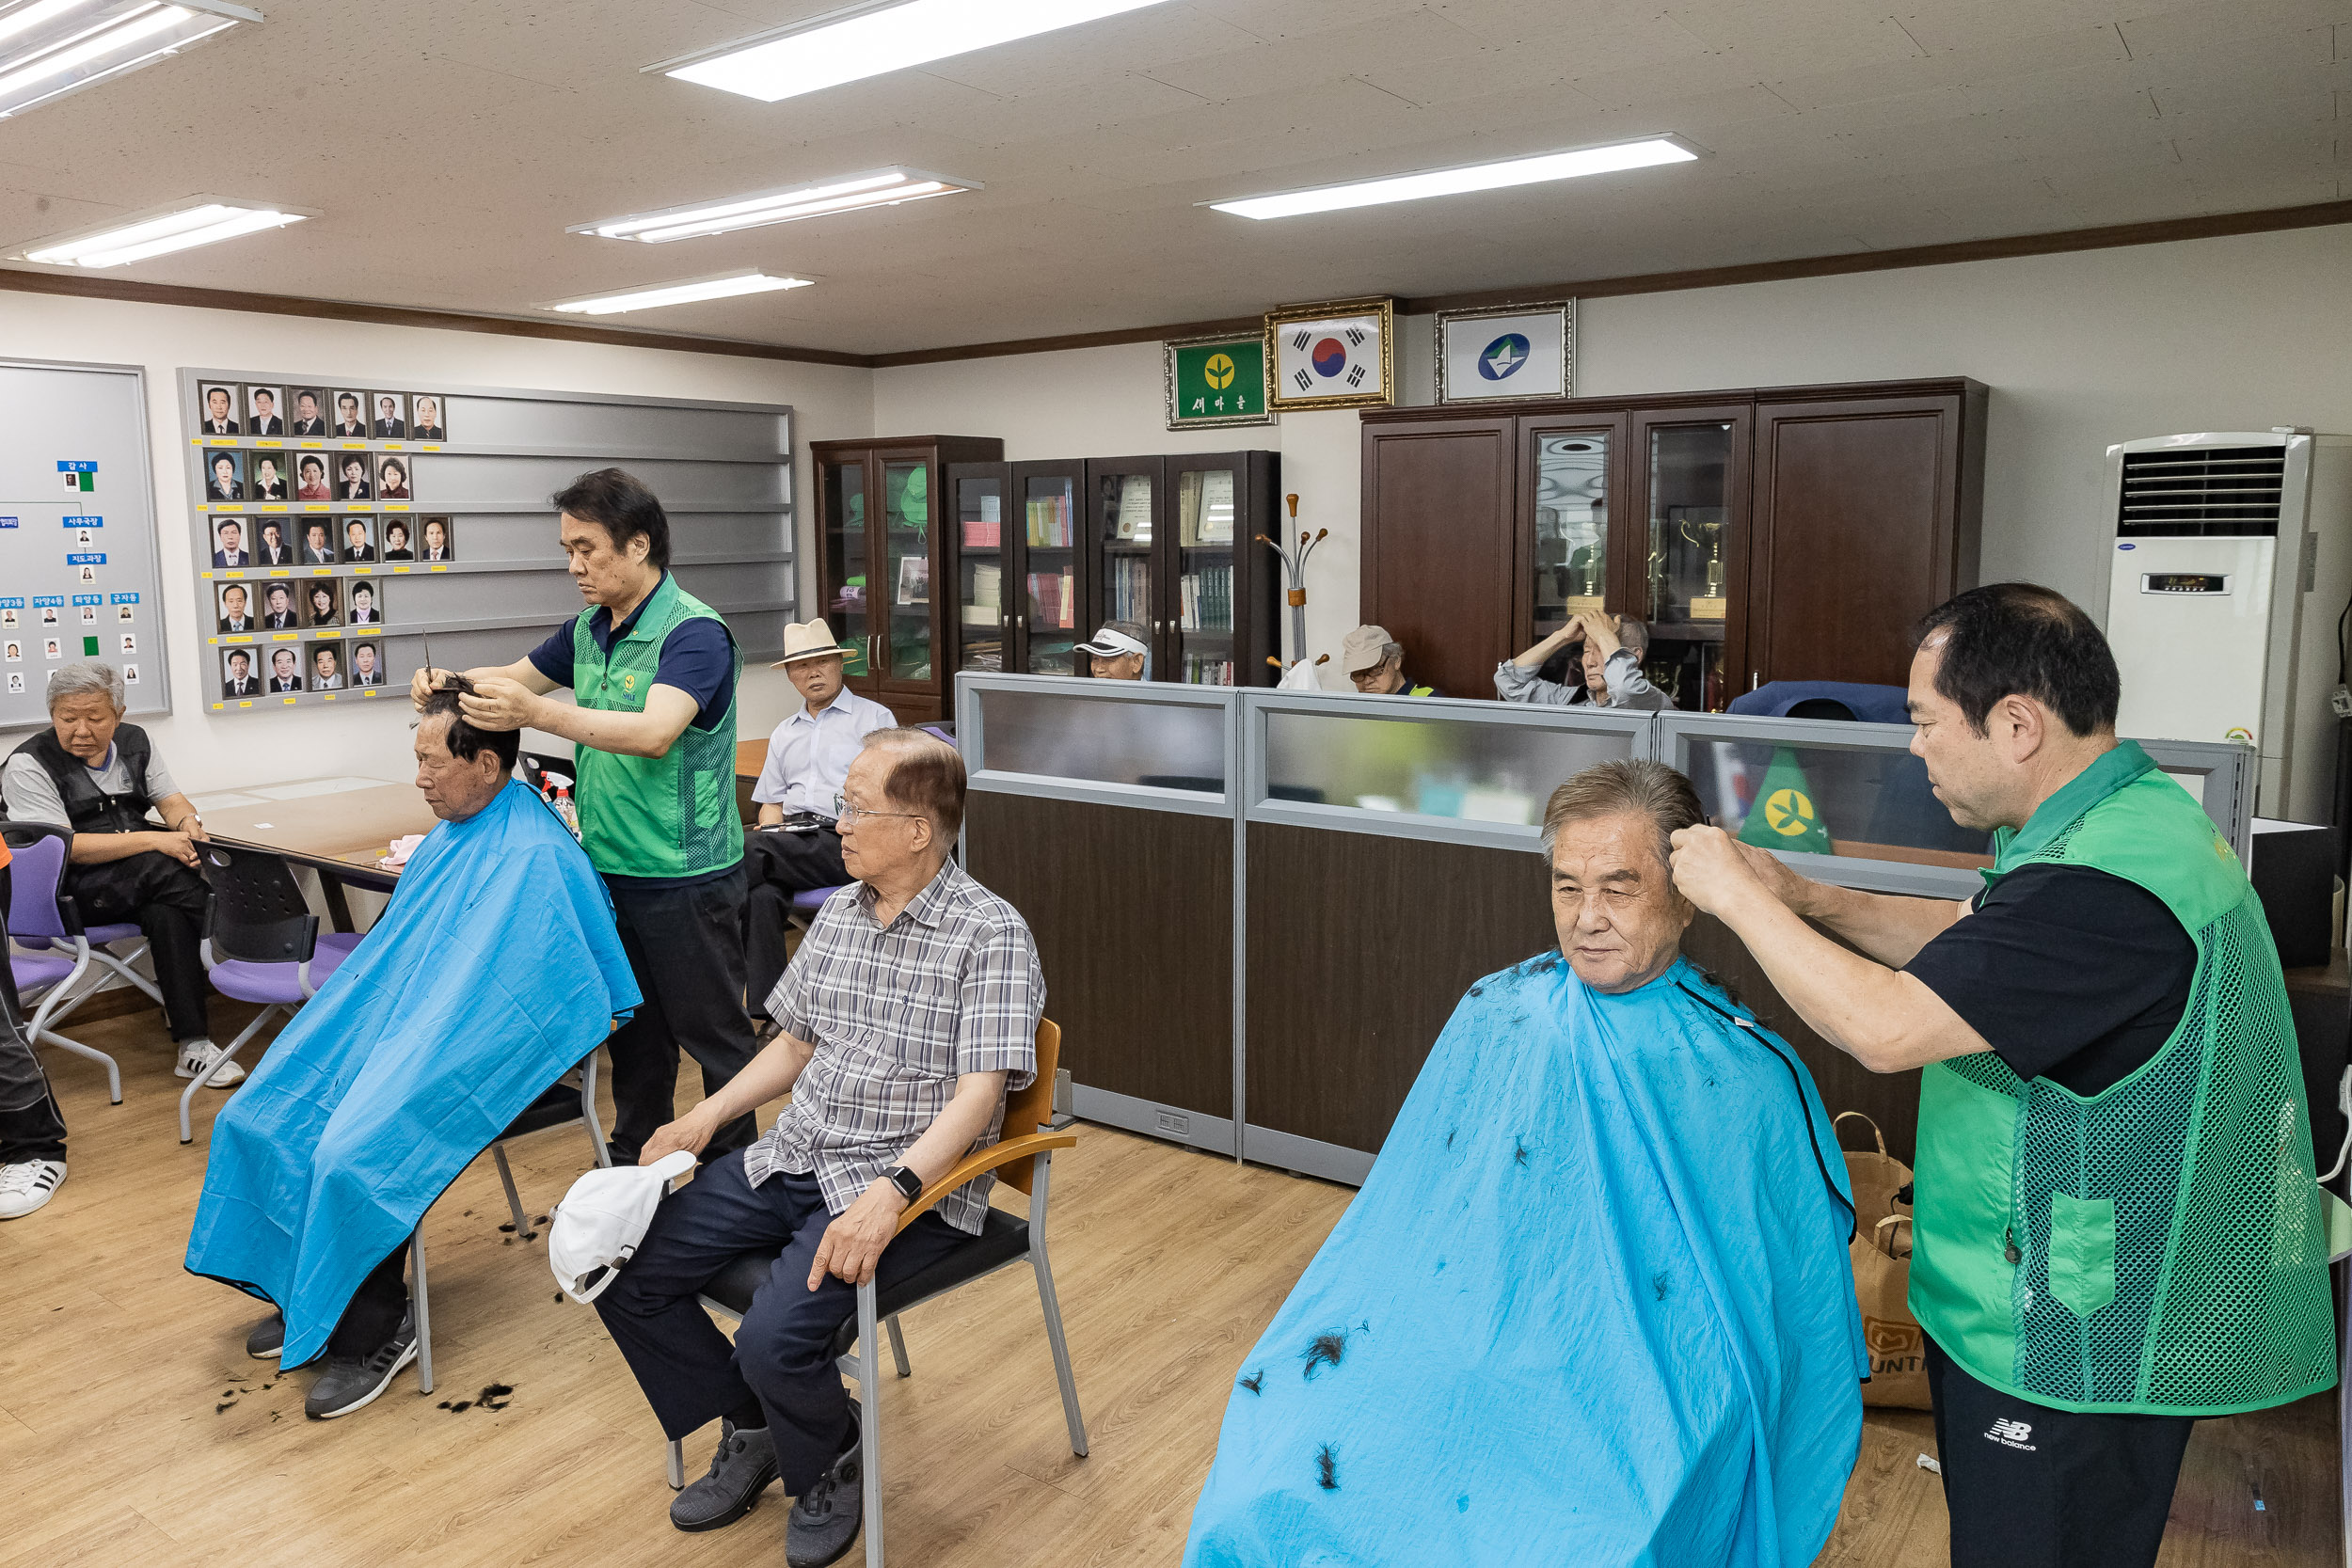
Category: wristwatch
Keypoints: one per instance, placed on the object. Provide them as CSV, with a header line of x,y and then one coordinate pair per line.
x,y
908,1185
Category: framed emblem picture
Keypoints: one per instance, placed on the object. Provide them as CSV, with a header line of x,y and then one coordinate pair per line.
x,y
1216,381
1336,354
1505,353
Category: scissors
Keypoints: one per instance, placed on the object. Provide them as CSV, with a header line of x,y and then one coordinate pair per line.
x,y
452,681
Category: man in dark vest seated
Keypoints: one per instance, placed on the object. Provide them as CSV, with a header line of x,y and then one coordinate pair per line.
x,y
95,774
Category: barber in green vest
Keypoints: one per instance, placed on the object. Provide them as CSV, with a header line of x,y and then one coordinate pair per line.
x,y
652,670
2118,1229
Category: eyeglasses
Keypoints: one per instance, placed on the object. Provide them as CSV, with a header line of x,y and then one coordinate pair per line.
x,y
844,813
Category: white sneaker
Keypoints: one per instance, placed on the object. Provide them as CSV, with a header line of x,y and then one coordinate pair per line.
x,y
24,1188
198,1054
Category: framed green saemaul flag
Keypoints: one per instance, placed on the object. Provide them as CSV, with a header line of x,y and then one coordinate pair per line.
x,y
1216,381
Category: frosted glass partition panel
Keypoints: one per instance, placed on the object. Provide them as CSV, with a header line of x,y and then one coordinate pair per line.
x,y
1828,800
1112,741
1467,769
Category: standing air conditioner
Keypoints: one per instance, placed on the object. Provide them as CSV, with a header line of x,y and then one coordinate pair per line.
x,y
2233,562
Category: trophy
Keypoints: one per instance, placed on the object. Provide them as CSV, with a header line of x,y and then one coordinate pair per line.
x,y
1711,535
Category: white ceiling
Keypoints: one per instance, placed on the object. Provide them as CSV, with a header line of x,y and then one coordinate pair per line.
x,y
448,143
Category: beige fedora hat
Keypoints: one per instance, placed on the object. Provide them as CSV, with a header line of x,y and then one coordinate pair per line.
x,y
812,640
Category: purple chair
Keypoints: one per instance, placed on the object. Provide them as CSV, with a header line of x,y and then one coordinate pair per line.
x,y
261,943
45,921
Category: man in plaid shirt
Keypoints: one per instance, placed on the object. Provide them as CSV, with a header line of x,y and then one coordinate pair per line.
x,y
910,1009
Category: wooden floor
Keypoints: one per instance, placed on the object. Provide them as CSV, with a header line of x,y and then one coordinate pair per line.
x,y
133,1430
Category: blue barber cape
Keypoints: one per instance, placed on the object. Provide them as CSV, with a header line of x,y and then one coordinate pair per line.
x,y
495,967
1593,1307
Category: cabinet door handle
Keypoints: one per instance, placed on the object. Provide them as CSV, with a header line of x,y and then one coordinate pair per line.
x,y
1755,678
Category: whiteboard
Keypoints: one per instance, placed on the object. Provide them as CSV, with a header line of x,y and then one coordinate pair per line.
x,y
78,569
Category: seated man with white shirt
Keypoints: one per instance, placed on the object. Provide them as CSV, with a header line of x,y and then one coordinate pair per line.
x,y
797,844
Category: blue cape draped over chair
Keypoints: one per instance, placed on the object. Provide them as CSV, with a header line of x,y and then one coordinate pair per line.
x,y
1593,1307
494,970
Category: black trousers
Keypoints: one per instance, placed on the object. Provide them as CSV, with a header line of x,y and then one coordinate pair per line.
x,y
684,945
31,1127
780,865
167,899
376,1307
782,1348
2030,1486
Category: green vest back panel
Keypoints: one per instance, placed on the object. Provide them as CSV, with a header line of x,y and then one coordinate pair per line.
x,y
670,816
2157,1247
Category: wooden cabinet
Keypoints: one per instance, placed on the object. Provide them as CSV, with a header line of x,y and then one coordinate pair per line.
x,y
1785,534
1043,553
880,550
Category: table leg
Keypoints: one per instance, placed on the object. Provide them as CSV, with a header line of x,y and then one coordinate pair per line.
x,y
337,908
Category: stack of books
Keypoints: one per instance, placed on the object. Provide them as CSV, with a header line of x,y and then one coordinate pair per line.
x,y
1207,669
985,607
1128,594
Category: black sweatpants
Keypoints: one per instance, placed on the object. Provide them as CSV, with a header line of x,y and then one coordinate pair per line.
x,y
782,1348
2030,1486
167,899
31,1127
376,1309
780,865
684,945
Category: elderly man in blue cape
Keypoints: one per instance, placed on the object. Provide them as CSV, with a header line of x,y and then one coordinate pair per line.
x,y
492,971
1593,1306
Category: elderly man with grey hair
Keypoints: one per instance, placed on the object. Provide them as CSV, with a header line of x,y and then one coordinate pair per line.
x,y
1609,657
99,778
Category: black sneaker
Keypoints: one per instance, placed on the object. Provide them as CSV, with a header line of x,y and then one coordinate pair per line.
x,y
267,1339
826,1517
350,1382
740,1472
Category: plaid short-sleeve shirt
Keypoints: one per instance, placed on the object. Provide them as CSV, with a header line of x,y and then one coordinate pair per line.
x,y
897,1013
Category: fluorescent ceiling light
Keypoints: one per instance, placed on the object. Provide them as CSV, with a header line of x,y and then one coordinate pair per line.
x,y
1455,182
184,225
876,38
49,48
885,187
726,286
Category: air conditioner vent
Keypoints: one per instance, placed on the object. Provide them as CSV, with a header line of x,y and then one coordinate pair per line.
x,y
2209,492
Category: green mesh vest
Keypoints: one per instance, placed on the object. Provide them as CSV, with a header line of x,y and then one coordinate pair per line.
x,y
2157,1247
670,816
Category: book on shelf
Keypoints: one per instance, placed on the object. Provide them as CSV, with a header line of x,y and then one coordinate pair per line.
x,y
1206,599
983,533
1052,602
1049,523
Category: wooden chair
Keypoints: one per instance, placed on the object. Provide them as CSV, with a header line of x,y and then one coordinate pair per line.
x,y
1024,1160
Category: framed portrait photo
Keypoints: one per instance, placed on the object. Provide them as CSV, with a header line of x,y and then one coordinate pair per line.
x,y
269,476
265,410
310,480
1335,355
388,415
325,666
429,419
349,416
322,602
1212,381
232,547
351,480
1505,353
356,539
239,675
309,413
216,409
367,664
236,612
224,475
435,539
318,543
392,483
367,603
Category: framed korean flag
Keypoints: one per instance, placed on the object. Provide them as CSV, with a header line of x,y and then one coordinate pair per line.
x,y
1335,355
1500,354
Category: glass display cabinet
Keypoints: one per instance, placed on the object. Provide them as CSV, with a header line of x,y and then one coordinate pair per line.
x,y
881,530
1166,542
1734,522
